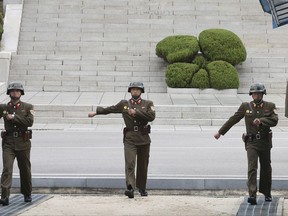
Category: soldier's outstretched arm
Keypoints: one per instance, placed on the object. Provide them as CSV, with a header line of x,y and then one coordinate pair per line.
x,y
118,108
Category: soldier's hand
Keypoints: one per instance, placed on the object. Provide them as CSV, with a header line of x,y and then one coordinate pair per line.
x,y
10,116
217,135
131,112
91,114
257,122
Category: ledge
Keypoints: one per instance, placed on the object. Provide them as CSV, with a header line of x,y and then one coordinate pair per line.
x,y
200,91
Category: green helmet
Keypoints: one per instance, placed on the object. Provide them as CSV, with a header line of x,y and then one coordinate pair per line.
x,y
139,85
257,87
13,86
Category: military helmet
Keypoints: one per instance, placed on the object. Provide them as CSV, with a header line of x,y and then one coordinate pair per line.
x,y
16,86
257,87
139,85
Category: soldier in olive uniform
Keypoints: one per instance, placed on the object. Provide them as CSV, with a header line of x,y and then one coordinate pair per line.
x,y
259,117
18,116
136,113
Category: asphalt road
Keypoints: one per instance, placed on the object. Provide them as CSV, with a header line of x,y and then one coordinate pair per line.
x,y
177,154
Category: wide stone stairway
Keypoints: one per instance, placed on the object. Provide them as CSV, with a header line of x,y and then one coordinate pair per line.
x,y
75,55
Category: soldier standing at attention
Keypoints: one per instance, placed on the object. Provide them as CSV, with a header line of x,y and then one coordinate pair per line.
x,y
18,116
136,113
259,117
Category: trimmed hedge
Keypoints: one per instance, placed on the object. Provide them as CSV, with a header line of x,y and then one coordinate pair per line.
x,y
200,79
179,75
221,44
213,67
223,75
179,48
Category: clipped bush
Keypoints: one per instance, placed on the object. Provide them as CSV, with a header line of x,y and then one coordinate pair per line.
x,y
200,79
179,48
179,75
222,44
223,75
200,60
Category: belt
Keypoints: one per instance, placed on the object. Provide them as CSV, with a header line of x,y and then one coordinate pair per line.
x,y
257,136
15,133
136,128
143,129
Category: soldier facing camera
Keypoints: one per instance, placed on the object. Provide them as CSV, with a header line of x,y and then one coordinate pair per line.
x,y
259,116
18,116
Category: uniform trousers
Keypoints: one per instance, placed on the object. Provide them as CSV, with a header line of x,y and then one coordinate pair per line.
x,y
24,164
265,180
141,154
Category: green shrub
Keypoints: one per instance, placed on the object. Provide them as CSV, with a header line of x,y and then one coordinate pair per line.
x,y
179,75
223,75
179,48
200,60
221,44
200,79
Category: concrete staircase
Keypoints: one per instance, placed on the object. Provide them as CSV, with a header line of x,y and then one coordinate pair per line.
x,y
100,46
173,115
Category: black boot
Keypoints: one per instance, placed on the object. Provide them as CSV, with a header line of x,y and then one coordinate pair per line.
x,y
27,198
252,200
143,192
4,201
129,192
268,198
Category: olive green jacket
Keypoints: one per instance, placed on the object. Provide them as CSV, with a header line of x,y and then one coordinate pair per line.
x,y
22,120
144,113
266,112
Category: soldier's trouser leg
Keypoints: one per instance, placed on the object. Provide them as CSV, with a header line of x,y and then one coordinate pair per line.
x,y
142,166
265,173
130,152
8,156
252,156
23,159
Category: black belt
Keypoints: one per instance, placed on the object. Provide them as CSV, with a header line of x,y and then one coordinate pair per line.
x,y
136,128
145,129
257,136
15,133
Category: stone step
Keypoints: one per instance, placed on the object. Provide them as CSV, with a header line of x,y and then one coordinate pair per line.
x,y
2,87
165,115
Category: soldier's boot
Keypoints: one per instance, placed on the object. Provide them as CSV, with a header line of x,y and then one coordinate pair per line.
x,y
268,198
27,198
252,200
143,192
4,201
129,192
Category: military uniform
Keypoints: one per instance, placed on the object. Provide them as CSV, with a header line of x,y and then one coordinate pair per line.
x,y
135,137
258,142
16,143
